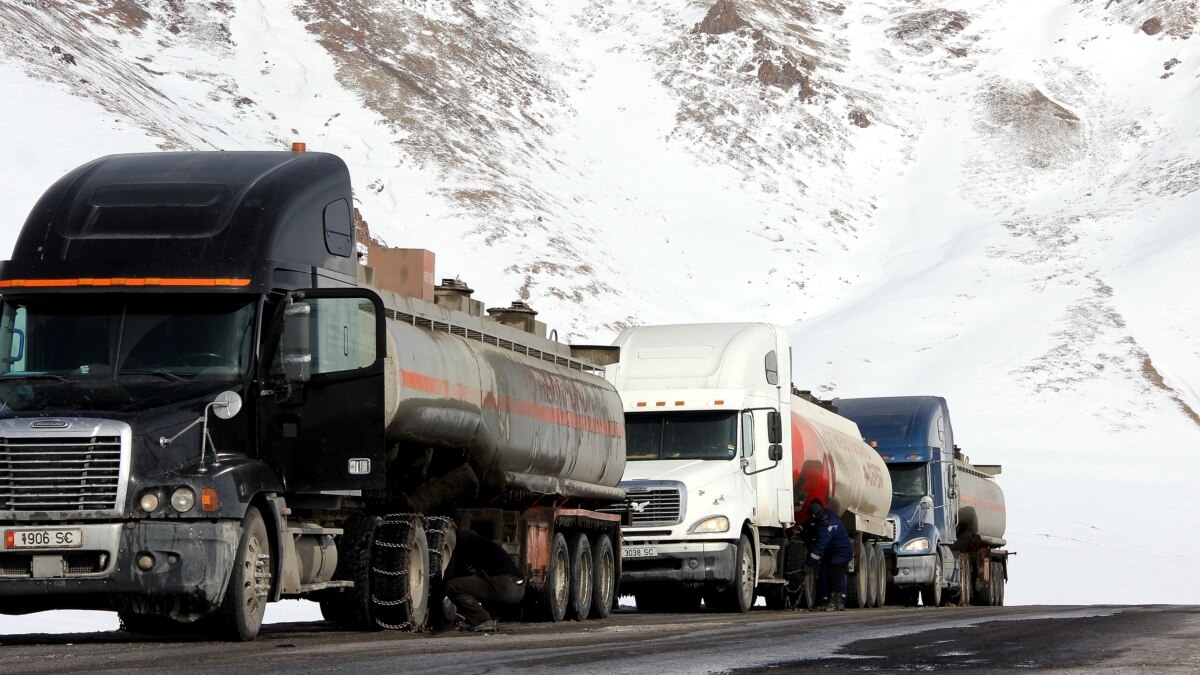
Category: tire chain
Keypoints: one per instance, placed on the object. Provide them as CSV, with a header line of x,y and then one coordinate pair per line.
x,y
390,597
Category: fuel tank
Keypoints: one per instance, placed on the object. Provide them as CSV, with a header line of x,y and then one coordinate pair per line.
x,y
981,511
831,464
525,422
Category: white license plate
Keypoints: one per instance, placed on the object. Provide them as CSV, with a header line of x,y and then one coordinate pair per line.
x,y
43,538
639,552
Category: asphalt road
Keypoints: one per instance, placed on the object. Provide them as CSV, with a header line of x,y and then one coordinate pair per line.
x,y
1067,639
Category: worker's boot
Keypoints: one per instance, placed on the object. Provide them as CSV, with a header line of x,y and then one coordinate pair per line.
x,y
837,602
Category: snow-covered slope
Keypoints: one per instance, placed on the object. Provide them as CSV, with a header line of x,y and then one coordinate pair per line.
x,y
986,201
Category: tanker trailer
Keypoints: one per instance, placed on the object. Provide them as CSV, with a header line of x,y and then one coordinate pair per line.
x,y
151,297
949,515
711,494
834,467
497,429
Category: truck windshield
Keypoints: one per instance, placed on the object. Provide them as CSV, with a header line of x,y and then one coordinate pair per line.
x,y
681,436
96,342
908,480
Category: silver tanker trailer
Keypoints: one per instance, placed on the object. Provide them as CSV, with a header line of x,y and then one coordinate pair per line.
x,y
210,404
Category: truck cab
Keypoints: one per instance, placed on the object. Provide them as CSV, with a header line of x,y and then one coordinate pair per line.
x,y
708,485
939,502
151,412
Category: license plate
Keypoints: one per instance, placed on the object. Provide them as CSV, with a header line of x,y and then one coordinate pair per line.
x,y
43,538
639,552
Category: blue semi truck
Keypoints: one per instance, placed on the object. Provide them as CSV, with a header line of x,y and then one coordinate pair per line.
x,y
949,515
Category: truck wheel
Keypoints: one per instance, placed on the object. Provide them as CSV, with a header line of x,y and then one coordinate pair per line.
x,y
604,581
931,594
442,535
880,577
351,607
558,579
582,576
241,613
858,583
400,573
868,573
739,596
998,584
964,581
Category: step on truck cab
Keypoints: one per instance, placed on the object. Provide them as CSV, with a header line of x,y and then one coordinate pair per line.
x,y
949,514
208,402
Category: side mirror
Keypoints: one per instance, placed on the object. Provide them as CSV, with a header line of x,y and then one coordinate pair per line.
x,y
774,427
297,351
775,453
926,502
227,404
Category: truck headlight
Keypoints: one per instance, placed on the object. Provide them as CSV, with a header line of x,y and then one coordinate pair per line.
x,y
711,525
149,502
918,544
183,499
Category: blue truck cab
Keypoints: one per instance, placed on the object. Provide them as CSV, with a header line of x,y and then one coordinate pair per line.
x,y
914,437
949,515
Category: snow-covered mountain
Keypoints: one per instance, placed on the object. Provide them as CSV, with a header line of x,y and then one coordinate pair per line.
x,y
988,201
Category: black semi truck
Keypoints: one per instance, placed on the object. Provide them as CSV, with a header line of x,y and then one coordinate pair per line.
x,y
207,404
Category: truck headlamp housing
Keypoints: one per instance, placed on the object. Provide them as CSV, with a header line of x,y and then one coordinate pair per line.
x,y
710,525
183,499
915,545
149,502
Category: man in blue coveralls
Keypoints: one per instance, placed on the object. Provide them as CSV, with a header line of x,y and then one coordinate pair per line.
x,y
832,550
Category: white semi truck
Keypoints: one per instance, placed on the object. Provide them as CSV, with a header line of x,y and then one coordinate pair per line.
x,y
716,482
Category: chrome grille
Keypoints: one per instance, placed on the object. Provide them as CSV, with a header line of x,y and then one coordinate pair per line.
x,y
60,473
654,505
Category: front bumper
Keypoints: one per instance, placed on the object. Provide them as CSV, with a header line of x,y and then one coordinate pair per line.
x,y
913,570
691,563
192,562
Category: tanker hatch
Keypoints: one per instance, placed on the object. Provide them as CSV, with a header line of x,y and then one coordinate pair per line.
x,y
454,294
518,315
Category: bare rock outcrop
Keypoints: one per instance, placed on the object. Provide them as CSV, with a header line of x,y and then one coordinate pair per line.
x,y
721,18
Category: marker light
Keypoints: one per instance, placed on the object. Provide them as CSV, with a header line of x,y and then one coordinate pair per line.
x,y
209,501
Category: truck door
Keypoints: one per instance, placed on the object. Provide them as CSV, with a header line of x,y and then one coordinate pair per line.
x,y
322,401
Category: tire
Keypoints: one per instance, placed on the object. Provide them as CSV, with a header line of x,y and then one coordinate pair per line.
x,y
739,597
400,573
931,594
880,578
965,581
869,573
350,608
859,584
582,576
442,536
604,580
241,613
998,581
557,592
